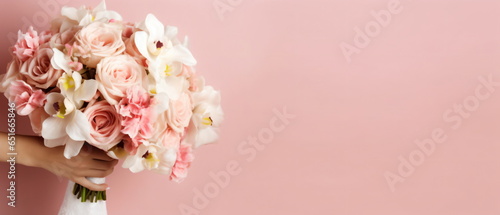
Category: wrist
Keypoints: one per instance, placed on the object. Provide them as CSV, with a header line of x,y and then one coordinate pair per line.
x,y
34,153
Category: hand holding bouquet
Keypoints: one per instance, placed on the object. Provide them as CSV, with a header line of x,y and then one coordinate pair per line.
x,y
128,89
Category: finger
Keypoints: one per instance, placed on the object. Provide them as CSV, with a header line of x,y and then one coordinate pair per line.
x,y
100,155
93,173
93,152
91,186
101,165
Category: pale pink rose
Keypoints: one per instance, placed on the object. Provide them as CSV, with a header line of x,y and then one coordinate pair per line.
x,y
27,44
131,49
136,114
195,83
128,30
11,75
39,71
171,138
180,112
62,24
61,39
117,74
25,98
105,131
184,159
99,40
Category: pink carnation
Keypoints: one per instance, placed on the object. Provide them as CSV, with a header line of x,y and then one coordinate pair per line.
x,y
135,113
184,159
27,44
24,97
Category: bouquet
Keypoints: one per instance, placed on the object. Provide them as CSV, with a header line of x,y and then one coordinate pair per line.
x,y
126,88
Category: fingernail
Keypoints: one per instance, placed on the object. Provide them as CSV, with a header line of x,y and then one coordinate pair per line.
x,y
108,188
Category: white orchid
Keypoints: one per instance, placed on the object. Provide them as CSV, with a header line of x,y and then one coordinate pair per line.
x,y
66,125
60,61
71,84
165,56
153,157
85,16
207,116
167,80
76,90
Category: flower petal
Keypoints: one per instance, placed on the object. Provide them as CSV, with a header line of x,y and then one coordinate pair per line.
x,y
106,96
72,148
108,15
162,104
101,6
77,78
86,91
141,42
171,32
56,142
134,163
155,28
173,86
53,128
51,99
206,135
79,127
70,12
179,53
59,61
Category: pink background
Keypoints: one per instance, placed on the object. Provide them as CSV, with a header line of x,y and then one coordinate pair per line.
x,y
352,120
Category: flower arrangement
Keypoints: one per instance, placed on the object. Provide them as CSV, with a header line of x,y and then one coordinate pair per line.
x,y
126,88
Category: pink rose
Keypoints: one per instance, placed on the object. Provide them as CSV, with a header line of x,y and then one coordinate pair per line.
x,y
129,29
180,168
135,114
171,138
179,113
39,71
117,74
195,83
59,40
105,131
27,44
24,97
99,40
62,24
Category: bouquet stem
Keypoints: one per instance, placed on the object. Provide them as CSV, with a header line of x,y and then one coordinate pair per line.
x,y
79,200
84,194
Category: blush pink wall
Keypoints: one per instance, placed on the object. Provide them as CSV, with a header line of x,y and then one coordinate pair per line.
x,y
353,121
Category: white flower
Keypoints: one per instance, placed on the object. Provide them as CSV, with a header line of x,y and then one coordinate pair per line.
x,y
85,16
165,56
207,116
166,79
66,126
151,157
75,89
60,61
